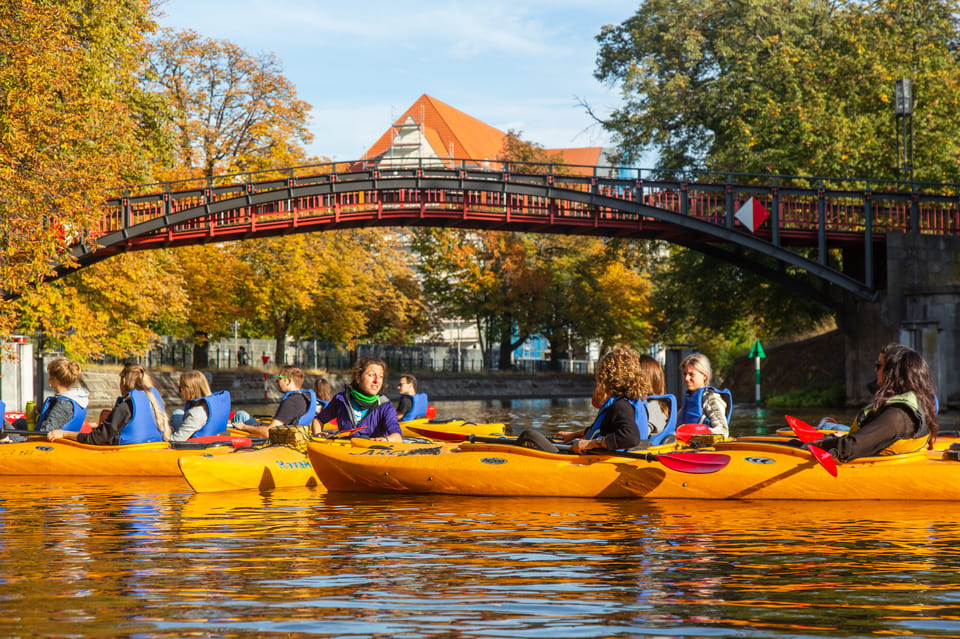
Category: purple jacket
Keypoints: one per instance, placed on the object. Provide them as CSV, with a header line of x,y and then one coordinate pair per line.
x,y
379,421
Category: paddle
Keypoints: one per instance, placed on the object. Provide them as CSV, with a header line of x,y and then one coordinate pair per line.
x,y
807,433
694,463
18,431
194,443
210,441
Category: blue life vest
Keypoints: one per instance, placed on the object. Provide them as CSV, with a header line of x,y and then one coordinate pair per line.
x,y
692,410
79,413
218,413
640,413
142,427
671,427
419,407
308,416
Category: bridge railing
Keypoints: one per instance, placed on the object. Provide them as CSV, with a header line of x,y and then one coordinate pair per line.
x,y
798,204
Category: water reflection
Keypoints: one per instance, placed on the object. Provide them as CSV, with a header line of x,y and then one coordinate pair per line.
x,y
150,558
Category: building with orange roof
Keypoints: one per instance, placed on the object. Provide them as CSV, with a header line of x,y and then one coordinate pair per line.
x,y
432,132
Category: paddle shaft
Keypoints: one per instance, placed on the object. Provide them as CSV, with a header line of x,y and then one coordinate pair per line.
x,y
697,463
211,442
20,431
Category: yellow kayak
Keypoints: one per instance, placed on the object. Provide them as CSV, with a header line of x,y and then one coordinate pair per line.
x,y
734,470
264,468
455,430
67,458
497,470
267,468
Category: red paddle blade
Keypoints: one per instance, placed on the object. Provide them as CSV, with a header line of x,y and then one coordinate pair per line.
x,y
685,431
824,458
438,434
804,431
694,463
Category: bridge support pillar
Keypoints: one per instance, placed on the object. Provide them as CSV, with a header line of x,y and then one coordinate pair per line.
x,y
919,308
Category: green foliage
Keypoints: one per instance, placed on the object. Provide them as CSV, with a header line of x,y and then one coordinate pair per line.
x,y
816,396
801,88
723,309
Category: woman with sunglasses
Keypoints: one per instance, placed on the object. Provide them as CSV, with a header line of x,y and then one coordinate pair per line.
x,y
297,405
902,418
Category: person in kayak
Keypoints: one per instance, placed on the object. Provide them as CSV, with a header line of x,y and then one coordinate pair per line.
x,y
658,406
67,408
205,413
297,406
360,410
702,403
902,417
621,386
324,392
137,417
407,387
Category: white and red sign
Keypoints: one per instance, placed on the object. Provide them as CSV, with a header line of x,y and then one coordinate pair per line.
x,y
752,214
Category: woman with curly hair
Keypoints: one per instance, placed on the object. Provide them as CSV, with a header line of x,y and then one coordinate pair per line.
x,y
902,417
621,385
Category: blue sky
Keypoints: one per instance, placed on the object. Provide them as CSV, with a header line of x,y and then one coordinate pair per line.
x,y
518,65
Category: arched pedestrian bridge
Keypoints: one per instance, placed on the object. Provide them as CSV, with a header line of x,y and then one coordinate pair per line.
x,y
833,230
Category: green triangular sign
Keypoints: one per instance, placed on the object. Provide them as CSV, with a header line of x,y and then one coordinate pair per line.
x,y
757,350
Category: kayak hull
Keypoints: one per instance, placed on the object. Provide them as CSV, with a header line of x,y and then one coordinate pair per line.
x,y
39,457
757,470
263,469
456,430
268,468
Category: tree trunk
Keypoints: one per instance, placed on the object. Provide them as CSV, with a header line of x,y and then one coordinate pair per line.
x,y
507,346
201,350
556,351
278,350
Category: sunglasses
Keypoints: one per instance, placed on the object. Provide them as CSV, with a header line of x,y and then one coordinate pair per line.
x,y
279,377
877,365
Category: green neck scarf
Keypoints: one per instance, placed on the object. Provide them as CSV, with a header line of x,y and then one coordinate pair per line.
x,y
362,400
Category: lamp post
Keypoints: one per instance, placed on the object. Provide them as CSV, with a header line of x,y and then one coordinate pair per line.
x,y
903,111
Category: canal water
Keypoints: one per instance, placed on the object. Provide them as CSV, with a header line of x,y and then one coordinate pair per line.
x,y
132,558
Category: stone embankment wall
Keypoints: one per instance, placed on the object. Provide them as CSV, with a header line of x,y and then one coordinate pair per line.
x,y
248,387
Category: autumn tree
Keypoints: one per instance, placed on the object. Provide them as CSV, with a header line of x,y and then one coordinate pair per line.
x,y
231,111
70,124
516,285
334,285
118,306
592,290
214,282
